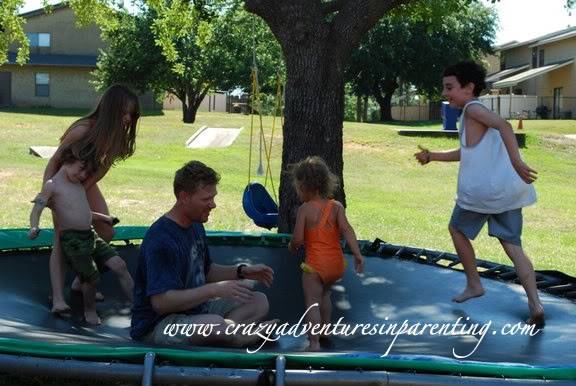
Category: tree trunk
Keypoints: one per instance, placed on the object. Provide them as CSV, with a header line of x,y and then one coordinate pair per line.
x,y
383,94
188,113
313,123
190,103
317,38
365,109
358,108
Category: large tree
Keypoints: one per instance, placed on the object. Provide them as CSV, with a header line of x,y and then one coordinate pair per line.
x,y
199,50
414,50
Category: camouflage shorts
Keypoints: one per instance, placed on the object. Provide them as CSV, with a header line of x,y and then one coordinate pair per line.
x,y
85,253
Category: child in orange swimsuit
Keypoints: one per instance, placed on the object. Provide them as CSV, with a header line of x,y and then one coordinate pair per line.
x,y
319,223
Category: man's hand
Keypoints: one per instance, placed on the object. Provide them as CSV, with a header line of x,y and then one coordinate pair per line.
x,y
260,272
423,156
33,233
525,172
235,290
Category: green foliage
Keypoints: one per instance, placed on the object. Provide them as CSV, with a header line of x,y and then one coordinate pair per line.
x,y
186,48
12,31
416,49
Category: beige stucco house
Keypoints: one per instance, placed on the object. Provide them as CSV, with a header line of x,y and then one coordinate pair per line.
x,y
61,59
542,71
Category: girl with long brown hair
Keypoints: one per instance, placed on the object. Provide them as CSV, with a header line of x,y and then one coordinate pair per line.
x,y
111,131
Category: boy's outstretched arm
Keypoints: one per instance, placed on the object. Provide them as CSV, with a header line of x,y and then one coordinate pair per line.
x,y
491,119
40,202
298,233
425,156
347,231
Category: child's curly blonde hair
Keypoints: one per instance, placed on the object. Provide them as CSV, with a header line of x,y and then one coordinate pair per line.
x,y
312,174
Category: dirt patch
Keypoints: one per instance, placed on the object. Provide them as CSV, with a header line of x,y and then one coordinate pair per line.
x,y
355,146
127,202
561,143
5,175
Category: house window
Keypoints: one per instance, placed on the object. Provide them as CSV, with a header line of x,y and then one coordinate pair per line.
x,y
42,85
39,39
534,57
540,58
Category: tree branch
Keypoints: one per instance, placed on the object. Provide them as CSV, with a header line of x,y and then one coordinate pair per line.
x,y
357,18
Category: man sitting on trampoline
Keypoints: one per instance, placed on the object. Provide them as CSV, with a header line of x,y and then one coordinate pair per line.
x,y
494,183
85,252
177,284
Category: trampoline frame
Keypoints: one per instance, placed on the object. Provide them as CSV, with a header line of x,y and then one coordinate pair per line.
x,y
20,356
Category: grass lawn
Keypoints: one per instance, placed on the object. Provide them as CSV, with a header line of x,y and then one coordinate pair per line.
x,y
389,195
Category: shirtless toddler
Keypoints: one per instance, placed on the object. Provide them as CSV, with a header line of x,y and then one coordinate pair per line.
x,y
83,250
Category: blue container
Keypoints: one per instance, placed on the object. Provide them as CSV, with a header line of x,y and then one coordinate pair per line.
x,y
449,116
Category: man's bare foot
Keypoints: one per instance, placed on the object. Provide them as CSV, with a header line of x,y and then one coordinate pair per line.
x,y
60,308
92,318
468,293
536,316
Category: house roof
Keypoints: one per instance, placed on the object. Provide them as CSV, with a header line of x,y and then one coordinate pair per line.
x,y
552,36
504,73
556,38
531,73
57,60
42,11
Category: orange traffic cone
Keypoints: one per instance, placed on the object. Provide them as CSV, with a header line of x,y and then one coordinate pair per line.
x,y
519,124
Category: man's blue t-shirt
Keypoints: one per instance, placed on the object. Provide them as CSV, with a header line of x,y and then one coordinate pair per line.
x,y
171,258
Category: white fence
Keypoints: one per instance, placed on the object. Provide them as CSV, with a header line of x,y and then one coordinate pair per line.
x,y
522,105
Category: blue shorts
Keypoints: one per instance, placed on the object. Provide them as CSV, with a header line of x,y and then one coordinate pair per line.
x,y
506,226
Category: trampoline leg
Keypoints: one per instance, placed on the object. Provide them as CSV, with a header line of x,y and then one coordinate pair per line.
x,y
148,372
280,371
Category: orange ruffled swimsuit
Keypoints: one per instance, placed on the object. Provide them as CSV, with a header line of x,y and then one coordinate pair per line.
x,y
323,252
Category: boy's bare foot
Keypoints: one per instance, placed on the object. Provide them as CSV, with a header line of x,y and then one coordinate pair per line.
x,y
60,308
468,293
536,316
92,318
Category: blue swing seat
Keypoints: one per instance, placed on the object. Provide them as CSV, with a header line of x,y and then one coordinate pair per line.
x,y
259,206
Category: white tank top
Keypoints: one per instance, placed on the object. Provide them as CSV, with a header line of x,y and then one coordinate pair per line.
x,y
487,181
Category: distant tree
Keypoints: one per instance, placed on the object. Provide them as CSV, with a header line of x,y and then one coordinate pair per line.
x,y
207,51
415,50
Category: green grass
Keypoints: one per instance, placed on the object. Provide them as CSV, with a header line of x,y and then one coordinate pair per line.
x,y
389,195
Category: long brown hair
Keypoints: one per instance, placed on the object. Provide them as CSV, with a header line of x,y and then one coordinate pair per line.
x,y
111,139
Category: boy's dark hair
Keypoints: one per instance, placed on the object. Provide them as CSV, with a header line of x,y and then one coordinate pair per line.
x,y
312,174
193,176
468,72
78,151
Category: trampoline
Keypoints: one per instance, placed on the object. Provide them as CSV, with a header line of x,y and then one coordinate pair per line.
x,y
399,284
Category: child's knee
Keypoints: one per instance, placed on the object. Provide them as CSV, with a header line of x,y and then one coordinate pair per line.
x,y
261,305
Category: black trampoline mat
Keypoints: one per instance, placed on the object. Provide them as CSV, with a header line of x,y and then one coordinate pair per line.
x,y
390,291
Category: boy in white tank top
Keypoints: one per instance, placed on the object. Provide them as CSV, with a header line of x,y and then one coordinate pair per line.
x,y
494,183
